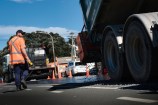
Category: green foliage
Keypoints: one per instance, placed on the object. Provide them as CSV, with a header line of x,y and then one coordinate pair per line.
x,y
42,39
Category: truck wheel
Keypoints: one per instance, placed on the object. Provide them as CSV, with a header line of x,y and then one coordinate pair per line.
x,y
138,50
113,57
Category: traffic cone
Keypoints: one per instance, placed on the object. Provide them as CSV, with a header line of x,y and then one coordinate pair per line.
x,y
48,77
53,75
105,71
105,74
59,75
70,73
1,80
87,72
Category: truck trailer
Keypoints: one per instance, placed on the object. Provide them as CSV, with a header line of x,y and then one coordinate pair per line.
x,y
38,70
125,33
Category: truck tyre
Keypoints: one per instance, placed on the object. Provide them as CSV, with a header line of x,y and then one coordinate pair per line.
x,y
138,50
113,57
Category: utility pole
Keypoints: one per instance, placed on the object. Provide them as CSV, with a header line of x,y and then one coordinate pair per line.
x,y
54,57
73,48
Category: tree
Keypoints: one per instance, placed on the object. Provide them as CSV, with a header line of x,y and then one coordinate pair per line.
x,y
43,40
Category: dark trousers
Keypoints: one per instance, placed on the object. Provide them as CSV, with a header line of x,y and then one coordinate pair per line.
x,y
21,71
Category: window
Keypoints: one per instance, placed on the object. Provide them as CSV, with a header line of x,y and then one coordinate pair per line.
x,y
78,63
70,64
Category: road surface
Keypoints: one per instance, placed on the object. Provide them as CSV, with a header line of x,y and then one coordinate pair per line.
x,y
80,91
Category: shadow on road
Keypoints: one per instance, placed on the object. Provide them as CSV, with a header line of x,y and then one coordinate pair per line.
x,y
77,85
11,91
149,88
71,86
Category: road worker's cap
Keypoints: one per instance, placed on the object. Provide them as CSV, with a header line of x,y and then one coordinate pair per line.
x,y
20,31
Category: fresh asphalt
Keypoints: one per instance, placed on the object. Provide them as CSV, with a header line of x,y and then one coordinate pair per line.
x,y
80,90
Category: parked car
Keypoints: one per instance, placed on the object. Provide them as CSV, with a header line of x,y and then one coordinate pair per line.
x,y
76,67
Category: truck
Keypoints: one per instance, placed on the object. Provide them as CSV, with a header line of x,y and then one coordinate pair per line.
x,y
40,62
38,70
123,35
8,74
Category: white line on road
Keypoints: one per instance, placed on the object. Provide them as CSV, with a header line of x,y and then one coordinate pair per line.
x,y
43,86
33,80
47,86
94,87
9,86
138,100
28,89
57,92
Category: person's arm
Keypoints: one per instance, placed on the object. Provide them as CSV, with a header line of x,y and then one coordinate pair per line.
x,y
23,50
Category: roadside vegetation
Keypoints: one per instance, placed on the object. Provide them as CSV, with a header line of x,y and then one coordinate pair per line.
x,y
42,39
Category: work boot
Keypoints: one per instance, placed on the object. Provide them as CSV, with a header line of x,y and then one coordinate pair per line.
x,y
18,88
23,83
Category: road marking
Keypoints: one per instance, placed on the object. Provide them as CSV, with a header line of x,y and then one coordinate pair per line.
x,y
58,92
33,80
42,86
94,87
28,89
9,86
138,100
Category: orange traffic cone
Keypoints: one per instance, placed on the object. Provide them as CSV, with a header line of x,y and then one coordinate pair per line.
x,y
87,72
70,74
59,75
53,75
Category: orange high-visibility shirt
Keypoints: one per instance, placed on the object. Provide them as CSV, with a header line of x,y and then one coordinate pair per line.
x,y
16,46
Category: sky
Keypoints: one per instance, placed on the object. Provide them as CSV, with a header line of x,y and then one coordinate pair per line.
x,y
57,16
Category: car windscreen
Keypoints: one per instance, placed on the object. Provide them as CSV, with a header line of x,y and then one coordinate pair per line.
x,y
79,63
70,64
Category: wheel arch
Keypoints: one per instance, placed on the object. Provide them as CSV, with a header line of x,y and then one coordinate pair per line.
x,y
148,20
117,30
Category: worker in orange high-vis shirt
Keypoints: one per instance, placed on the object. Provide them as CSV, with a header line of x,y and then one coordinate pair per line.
x,y
19,59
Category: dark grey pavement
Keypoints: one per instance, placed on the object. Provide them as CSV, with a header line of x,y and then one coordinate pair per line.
x,y
80,91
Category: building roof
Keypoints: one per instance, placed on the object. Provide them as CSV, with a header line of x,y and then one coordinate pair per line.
x,y
64,59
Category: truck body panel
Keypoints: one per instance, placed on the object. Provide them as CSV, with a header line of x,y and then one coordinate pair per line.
x,y
120,28
99,13
39,68
86,50
37,56
5,63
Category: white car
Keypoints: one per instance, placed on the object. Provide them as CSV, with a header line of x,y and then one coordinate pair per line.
x,y
76,67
